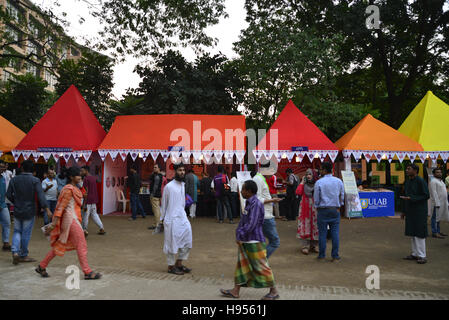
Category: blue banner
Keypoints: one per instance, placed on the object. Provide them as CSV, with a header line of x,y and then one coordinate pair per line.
x,y
377,204
300,148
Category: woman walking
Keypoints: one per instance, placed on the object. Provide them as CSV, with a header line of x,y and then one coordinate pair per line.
x,y
307,218
65,231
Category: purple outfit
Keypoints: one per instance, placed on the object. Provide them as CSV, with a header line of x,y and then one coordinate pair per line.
x,y
218,185
251,224
90,182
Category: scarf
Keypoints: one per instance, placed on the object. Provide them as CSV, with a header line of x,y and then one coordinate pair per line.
x,y
309,185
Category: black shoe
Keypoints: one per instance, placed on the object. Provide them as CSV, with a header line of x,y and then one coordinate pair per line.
x,y
6,247
152,227
421,260
186,270
443,234
410,257
176,270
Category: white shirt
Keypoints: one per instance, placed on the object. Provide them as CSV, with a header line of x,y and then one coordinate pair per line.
x,y
263,193
52,193
438,197
234,185
177,229
8,175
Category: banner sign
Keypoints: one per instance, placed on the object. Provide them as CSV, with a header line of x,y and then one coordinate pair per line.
x,y
300,148
377,204
353,208
58,150
176,149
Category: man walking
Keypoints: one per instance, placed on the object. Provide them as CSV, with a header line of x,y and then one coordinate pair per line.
x,y
269,223
291,198
416,196
192,191
177,229
218,184
134,185
90,184
329,196
50,187
156,183
440,205
5,218
21,192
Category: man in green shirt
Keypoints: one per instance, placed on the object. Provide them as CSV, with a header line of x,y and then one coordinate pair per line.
x,y
416,196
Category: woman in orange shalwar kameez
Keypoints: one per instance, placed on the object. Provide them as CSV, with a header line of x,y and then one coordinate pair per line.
x,y
65,231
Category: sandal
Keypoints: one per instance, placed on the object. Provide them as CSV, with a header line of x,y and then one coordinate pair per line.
x,y
421,260
185,269
228,294
42,271
176,271
101,232
314,250
269,296
92,276
26,259
305,250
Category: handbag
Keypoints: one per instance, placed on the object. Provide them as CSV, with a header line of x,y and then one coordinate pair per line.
x,y
189,201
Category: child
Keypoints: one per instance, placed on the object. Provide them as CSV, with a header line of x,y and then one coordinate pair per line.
x,y
252,264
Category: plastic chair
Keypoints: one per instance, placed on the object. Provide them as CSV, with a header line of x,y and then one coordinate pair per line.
x,y
122,200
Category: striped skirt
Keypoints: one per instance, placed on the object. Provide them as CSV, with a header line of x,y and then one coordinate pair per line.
x,y
252,266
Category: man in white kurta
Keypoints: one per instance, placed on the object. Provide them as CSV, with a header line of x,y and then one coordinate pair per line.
x,y
440,205
177,229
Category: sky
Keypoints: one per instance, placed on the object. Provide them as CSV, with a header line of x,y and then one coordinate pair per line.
x,y
227,32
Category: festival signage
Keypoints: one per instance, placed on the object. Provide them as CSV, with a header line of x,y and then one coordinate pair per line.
x,y
58,150
377,204
300,148
353,208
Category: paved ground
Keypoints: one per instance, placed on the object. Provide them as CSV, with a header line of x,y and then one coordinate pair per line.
x,y
133,264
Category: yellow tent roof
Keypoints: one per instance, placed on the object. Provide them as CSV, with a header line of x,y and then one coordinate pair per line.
x,y
10,135
372,134
428,124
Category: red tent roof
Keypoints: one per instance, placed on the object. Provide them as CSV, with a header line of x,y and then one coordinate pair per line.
x,y
68,124
296,130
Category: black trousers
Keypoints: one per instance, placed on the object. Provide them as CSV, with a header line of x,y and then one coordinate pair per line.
x,y
292,207
235,204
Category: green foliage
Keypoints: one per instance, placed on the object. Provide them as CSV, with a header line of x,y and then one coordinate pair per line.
x,y
407,55
173,85
92,75
24,101
146,27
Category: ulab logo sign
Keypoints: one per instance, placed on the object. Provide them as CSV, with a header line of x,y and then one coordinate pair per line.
x,y
374,203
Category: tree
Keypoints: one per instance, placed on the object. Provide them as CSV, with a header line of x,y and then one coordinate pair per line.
x,y
24,100
40,34
412,43
92,75
173,85
276,60
145,27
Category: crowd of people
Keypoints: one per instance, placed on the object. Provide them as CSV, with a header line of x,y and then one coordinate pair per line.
x,y
315,202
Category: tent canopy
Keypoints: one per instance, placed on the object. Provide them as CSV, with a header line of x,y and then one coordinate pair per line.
x,y
197,135
69,127
372,135
295,130
10,135
428,124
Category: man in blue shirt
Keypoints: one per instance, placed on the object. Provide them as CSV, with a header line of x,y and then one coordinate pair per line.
x,y
5,218
328,196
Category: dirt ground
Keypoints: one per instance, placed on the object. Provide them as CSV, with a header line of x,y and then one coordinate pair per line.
x,y
363,242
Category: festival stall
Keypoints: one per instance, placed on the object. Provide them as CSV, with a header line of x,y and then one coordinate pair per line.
x,y
203,140
9,138
428,124
67,135
295,142
363,148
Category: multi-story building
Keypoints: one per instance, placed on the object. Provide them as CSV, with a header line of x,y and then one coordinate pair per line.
x,y
31,34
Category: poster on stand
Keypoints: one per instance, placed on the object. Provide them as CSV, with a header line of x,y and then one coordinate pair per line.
x,y
353,207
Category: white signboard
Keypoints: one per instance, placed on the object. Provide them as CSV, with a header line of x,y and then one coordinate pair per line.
x,y
353,208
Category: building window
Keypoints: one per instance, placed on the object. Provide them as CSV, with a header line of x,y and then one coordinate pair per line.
x,y
6,75
32,48
31,68
13,34
13,11
34,30
64,53
75,52
50,78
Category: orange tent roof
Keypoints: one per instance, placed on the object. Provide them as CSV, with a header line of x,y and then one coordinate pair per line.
x,y
372,134
154,134
10,135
